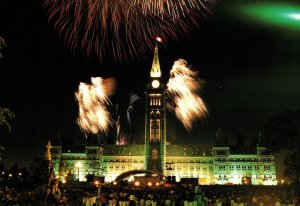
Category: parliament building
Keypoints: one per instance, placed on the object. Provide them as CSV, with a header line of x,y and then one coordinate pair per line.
x,y
210,164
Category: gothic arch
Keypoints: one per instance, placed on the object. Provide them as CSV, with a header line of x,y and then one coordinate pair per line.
x,y
152,115
157,115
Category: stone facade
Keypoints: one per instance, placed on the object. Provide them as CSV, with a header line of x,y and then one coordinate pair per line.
x,y
210,164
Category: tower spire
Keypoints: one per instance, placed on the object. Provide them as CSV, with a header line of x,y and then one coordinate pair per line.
x,y
155,69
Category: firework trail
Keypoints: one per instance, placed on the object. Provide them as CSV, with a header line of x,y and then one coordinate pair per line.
x,y
182,89
92,100
118,128
123,28
122,138
175,9
133,98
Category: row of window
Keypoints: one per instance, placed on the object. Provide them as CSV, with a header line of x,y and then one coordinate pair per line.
x,y
204,169
244,167
73,164
123,168
224,176
238,159
123,160
155,100
191,161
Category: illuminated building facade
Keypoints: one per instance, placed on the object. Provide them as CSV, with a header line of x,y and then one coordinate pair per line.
x,y
211,165
217,164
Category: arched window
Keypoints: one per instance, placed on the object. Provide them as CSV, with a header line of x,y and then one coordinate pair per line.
x,y
152,115
157,131
157,115
152,126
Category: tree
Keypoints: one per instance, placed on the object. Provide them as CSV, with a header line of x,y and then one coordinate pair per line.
x,y
1,149
39,173
282,131
5,113
2,45
5,116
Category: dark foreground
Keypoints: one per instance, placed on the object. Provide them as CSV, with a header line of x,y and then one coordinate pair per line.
x,y
80,194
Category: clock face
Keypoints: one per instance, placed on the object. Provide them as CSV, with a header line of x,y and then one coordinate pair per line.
x,y
155,83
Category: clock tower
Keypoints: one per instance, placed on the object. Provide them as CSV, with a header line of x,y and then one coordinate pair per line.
x,y
155,119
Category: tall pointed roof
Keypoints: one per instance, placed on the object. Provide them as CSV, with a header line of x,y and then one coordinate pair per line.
x,y
155,70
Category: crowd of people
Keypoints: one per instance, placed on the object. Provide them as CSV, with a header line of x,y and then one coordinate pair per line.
x,y
211,195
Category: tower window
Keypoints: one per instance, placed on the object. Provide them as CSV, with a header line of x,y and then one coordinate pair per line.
x,y
155,99
155,126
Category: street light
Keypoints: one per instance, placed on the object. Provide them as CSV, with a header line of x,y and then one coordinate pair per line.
x,y
78,165
98,185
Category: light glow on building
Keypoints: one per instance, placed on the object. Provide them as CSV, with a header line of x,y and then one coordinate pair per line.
x,y
210,164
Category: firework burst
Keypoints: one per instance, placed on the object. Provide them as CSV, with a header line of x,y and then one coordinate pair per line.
x,y
92,100
182,89
123,28
122,139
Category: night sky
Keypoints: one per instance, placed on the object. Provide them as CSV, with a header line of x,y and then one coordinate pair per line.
x,y
251,70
